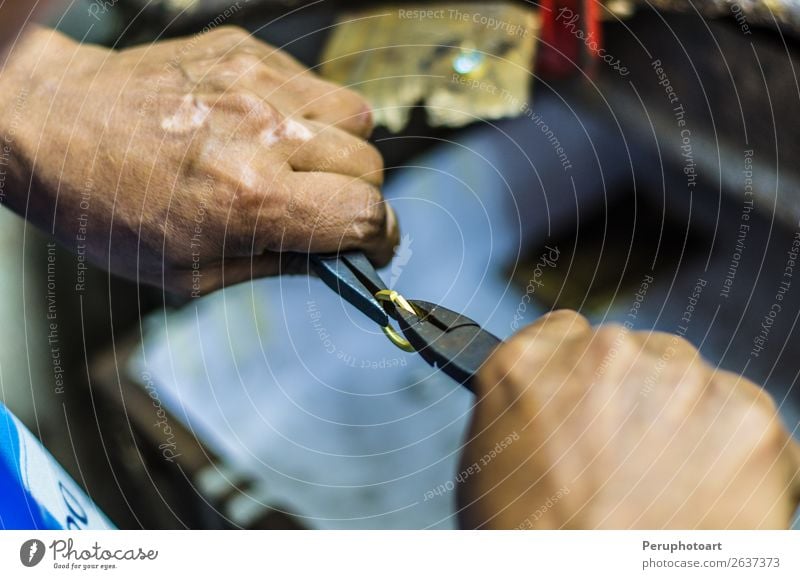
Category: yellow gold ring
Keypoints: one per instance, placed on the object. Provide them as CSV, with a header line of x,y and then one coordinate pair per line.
x,y
388,295
398,340
401,302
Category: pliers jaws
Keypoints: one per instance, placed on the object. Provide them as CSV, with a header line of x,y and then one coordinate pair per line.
x,y
447,340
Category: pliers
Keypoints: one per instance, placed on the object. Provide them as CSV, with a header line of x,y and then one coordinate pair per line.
x,y
445,339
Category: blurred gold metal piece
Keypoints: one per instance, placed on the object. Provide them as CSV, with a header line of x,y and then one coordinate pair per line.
x,y
464,61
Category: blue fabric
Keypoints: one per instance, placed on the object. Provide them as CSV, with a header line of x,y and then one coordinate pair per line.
x,y
18,509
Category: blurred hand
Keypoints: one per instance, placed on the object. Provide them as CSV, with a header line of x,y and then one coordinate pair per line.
x,y
608,428
191,163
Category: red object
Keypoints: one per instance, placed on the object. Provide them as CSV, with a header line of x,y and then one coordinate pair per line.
x,y
571,36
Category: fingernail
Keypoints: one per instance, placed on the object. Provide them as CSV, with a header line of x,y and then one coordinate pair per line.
x,y
391,220
365,116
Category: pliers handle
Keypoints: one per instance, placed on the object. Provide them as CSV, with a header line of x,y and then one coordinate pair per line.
x,y
352,276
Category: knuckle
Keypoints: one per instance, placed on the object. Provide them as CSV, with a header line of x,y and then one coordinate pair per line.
x,y
518,372
755,416
613,346
264,115
566,317
566,314
351,157
766,403
491,373
506,369
325,92
242,62
557,327
672,344
371,162
369,222
683,344
516,348
351,102
373,220
771,438
611,337
508,357
259,112
336,104
518,358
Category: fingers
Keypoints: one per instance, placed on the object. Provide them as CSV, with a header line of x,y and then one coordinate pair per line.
x,y
732,388
270,54
326,213
538,342
555,327
337,106
225,40
209,278
535,343
518,361
202,281
377,241
305,145
230,57
307,96
289,85
667,346
793,457
301,95
332,150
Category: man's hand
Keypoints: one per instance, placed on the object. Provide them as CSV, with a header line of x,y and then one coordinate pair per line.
x,y
190,163
608,428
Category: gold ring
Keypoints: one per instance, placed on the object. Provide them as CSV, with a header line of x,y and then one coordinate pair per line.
x,y
388,295
395,338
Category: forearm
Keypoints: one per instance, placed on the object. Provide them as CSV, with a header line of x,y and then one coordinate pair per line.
x,y
28,80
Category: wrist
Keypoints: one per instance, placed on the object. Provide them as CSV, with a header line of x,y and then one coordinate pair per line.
x,y
30,72
30,60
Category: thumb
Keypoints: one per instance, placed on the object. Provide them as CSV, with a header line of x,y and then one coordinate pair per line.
x,y
535,343
793,453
